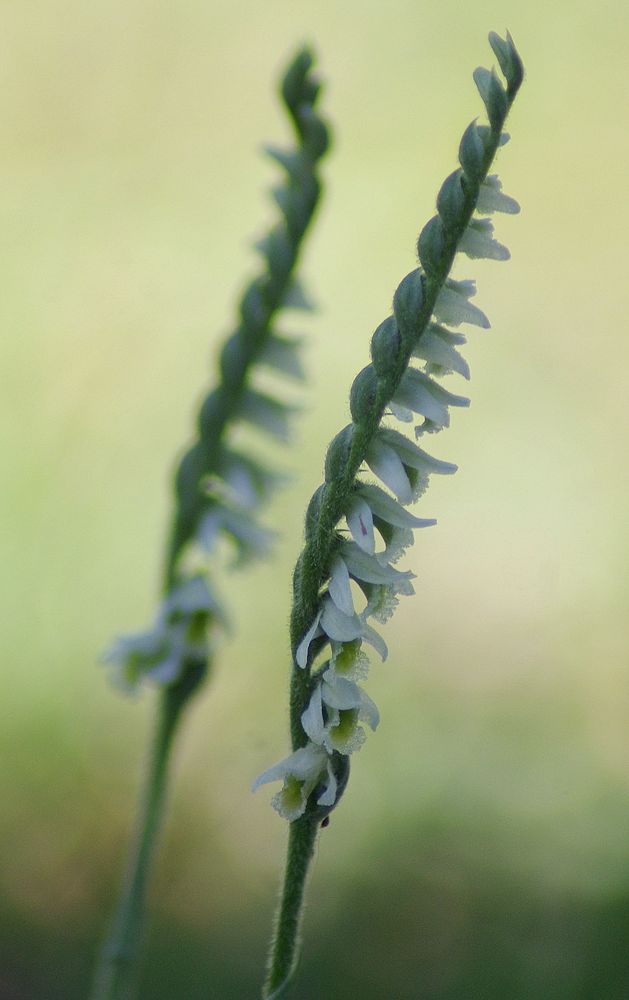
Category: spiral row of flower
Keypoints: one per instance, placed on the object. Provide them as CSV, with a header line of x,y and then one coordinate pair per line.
x,y
355,530
218,486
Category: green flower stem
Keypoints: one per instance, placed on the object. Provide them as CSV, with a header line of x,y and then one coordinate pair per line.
x,y
413,306
118,968
301,844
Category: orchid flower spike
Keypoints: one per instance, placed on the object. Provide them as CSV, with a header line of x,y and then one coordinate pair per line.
x,y
357,528
219,486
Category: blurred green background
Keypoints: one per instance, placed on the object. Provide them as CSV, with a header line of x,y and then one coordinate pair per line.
x,y
481,850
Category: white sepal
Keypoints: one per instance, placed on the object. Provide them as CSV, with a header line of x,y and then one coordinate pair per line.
x,y
312,718
338,626
375,640
436,346
301,653
492,199
360,523
386,464
369,568
478,242
402,413
343,694
453,306
339,586
388,509
301,772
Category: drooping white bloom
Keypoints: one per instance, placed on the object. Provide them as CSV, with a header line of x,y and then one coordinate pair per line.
x,y
437,346
336,708
360,523
178,636
349,660
453,306
282,353
339,587
301,773
385,462
423,395
478,242
389,510
492,199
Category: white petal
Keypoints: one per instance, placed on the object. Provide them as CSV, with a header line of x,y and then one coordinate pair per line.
x,y
209,528
190,596
301,653
338,692
386,464
369,568
414,456
375,640
397,540
436,391
338,626
388,509
242,487
328,796
348,660
301,764
369,711
167,670
360,523
478,242
267,414
345,735
312,717
453,308
416,396
401,412
433,347
492,199
339,588
282,353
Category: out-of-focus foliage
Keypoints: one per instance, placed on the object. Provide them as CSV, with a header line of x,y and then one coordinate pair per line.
x,y
481,849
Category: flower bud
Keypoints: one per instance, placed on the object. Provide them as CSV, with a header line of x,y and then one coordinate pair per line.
x,y
312,512
211,410
451,200
509,60
253,308
472,153
408,302
232,361
430,246
385,346
362,396
315,134
493,95
338,453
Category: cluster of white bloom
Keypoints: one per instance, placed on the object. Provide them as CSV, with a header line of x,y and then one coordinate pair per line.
x,y
339,708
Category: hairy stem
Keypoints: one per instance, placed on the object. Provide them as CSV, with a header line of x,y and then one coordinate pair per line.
x,y
415,301
284,947
261,303
118,966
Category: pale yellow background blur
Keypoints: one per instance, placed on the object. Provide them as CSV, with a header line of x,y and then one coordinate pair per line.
x,y
131,191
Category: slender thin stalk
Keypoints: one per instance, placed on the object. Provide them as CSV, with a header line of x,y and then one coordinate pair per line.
x,y
320,615
254,342
283,957
118,965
